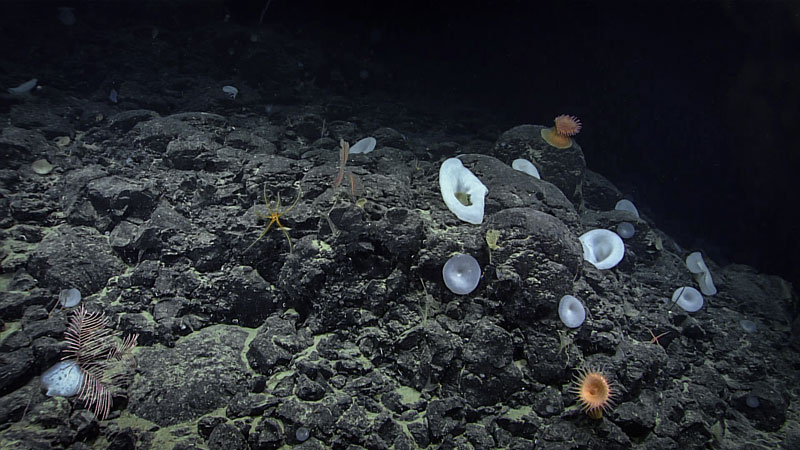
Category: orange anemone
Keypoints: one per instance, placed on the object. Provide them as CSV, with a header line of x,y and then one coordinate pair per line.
x,y
559,135
595,392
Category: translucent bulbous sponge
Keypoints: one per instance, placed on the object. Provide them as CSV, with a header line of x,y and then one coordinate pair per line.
x,y
626,230
461,273
571,311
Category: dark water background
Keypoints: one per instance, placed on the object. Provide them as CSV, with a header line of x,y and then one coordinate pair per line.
x,y
689,107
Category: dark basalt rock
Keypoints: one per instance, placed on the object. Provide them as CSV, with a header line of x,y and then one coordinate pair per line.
x,y
78,257
212,372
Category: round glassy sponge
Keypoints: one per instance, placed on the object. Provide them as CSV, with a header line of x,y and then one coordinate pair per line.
x,y
626,230
461,273
571,311
627,205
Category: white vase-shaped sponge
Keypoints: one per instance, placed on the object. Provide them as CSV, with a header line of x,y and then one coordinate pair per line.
x,y
603,248
462,191
696,265
688,298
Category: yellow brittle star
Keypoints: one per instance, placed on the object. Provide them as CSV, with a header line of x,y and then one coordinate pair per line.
x,y
274,215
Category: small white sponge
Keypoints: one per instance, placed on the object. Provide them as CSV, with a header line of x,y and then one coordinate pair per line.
x,y
462,191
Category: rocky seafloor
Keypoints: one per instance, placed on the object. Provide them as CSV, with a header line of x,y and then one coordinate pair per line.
x,y
351,339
